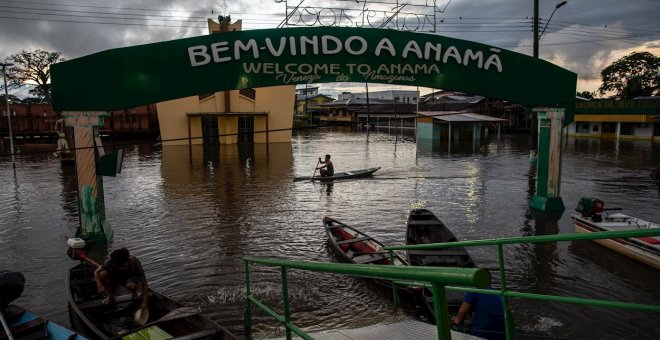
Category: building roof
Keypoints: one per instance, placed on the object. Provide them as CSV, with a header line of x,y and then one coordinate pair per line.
x,y
303,97
459,116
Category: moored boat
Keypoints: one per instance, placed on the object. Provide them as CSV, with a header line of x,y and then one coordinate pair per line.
x,y
166,318
359,173
591,219
354,246
423,227
21,323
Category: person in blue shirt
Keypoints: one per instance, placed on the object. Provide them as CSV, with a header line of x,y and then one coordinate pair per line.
x,y
487,315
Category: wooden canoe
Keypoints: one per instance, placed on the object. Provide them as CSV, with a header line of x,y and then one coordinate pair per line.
x,y
167,318
354,246
360,173
424,227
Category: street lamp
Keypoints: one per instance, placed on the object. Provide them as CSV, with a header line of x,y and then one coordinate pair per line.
x,y
553,13
11,136
537,36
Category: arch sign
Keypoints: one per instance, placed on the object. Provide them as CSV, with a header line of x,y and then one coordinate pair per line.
x,y
145,74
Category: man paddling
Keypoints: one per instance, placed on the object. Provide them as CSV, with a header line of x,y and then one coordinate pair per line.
x,y
121,269
327,169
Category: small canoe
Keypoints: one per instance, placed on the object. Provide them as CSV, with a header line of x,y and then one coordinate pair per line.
x,y
354,246
424,227
167,318
360,173
591,220
24,324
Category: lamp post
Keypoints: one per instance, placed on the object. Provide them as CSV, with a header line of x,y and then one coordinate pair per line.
x,y
11,136
537,36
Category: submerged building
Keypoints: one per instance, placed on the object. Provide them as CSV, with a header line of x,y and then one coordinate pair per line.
x,y
251,115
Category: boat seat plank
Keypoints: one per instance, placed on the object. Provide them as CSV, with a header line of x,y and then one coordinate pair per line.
x,y
99,302
13,312
425,222
198,335
32,326
436,253
368,258
353,240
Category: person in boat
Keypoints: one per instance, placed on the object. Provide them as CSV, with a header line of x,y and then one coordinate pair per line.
x,y
327,169
122,269
487,315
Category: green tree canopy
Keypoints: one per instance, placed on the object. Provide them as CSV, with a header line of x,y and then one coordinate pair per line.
x,y
637,74
33,67
586,94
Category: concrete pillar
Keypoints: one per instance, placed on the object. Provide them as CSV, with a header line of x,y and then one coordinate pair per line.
x,y
618,130
91,203
548,171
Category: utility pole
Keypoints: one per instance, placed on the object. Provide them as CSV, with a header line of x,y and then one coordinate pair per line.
x,y
11,136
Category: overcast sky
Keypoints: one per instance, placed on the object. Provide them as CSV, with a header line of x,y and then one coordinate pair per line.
x,y
583,36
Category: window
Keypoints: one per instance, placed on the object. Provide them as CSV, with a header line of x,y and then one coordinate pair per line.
x,y
594,128
249,93
627,129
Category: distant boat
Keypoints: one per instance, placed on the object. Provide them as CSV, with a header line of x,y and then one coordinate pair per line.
x,y
424,227
354,246
167,318
642,249
342,175
21,323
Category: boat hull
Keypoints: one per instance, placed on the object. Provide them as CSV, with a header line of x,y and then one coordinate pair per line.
x,y
100,321
360,173
354,246
636,249
28,325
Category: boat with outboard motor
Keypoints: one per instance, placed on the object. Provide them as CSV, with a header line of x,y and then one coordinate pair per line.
x,y
591,219
167,319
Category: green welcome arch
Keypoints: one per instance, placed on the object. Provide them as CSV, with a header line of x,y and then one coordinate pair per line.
x,y
131,76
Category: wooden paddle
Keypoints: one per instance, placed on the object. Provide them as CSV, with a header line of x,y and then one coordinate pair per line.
x,y
177,313
317,165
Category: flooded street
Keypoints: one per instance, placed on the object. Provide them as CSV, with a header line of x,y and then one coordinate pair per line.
x,y
191,216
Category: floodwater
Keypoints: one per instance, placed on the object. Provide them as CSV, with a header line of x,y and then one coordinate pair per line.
x,y
191,216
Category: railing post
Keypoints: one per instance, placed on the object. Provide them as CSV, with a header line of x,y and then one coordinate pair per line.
x,y
394,293
285,300
441,312
509,327
247,317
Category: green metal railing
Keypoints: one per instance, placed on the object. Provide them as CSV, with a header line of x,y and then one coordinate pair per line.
x,y
437,277
505,293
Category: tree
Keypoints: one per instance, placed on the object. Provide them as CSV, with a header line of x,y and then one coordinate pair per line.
x,y
637,74
33,67
586,94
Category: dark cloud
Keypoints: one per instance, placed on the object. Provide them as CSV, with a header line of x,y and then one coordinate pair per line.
x,y
583,36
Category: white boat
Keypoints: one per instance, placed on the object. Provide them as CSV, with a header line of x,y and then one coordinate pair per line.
x,y
642,249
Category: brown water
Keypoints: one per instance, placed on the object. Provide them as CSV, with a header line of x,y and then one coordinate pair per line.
x,y
191,217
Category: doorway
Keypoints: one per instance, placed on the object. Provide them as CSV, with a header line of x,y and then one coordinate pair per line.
x,y
210,131
245,129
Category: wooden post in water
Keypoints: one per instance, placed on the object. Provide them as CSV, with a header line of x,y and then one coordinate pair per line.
x,y
91,204
548,171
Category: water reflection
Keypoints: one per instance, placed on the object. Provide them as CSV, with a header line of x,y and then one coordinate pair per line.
x,y
192,213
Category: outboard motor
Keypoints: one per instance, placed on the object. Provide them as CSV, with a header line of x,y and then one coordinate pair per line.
x,y
591,207
11,287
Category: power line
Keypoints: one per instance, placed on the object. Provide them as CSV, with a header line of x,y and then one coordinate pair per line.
x,y
106,7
